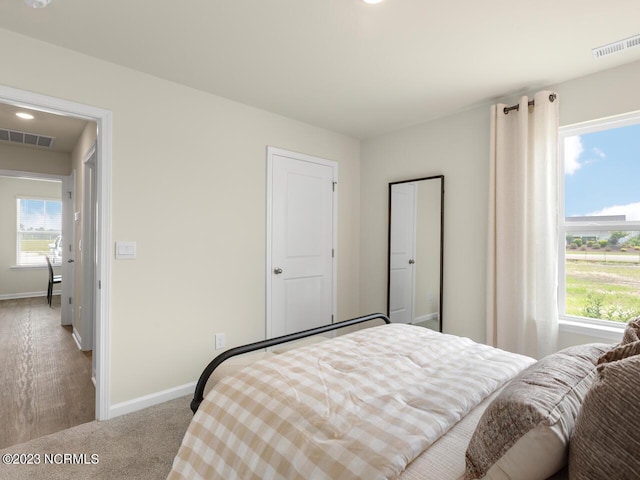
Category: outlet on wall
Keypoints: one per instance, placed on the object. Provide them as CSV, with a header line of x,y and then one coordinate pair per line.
x,y
220,341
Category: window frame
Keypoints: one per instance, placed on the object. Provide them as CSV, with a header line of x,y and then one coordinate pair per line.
x,y
574,323
18,232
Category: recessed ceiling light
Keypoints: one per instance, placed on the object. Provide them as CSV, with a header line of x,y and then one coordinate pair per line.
x,y
25,116
371,1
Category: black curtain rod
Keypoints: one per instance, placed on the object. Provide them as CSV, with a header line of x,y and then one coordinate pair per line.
x,y
506,110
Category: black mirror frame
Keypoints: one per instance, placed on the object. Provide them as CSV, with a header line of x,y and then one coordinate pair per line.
x,y
440,303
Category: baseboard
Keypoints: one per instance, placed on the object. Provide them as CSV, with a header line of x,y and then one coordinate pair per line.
x,y
14,296
78,339
426,318
139,403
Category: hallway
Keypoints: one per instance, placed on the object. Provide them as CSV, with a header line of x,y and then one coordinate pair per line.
x,y
45,380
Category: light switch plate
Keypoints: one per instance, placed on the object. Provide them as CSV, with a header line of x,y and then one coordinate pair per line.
x,y
126,250
221,341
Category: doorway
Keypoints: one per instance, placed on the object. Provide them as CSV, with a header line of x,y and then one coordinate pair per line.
x,y
301,242
102,169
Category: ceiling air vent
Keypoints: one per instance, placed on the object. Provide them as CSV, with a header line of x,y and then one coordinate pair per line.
x,y
616,47
26,138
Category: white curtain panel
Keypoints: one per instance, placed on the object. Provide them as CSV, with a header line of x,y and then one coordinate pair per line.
x,y
522,269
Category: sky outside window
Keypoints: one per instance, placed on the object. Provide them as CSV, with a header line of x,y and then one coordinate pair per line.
x,y
40,214
601,173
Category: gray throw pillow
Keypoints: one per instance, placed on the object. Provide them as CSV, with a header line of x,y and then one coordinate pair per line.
x,y
524,433
629,346
621,351
631,332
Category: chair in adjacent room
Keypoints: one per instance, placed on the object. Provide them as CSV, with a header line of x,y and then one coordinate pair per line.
x,y
53,279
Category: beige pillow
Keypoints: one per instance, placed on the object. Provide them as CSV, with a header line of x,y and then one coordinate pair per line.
x,y
524,433
606,440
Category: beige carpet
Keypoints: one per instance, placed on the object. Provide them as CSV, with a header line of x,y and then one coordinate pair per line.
x,y
140,445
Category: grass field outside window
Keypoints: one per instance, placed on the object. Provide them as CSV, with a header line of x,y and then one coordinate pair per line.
x,y
603,290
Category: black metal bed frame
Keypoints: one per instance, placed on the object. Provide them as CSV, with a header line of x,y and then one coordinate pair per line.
x,y
204,377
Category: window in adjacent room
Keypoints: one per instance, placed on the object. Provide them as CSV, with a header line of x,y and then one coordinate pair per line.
x,y
600,221
39,230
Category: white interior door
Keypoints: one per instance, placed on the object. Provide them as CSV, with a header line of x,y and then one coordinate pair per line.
x,y
302,233
68,249
402,252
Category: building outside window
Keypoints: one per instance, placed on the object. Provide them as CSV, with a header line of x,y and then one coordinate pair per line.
x,y
39,229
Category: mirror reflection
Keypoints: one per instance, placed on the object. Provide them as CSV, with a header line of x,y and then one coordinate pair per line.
x,y
415,251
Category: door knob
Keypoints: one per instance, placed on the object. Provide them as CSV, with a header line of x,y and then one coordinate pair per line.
x,y
411,261
71,260
277,270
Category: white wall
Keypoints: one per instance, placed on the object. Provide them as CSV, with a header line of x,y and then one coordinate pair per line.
x,y
189,173
25,159
458,147
17,282
453,146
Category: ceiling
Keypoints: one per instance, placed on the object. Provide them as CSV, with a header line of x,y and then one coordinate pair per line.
x,y
344,65
65,130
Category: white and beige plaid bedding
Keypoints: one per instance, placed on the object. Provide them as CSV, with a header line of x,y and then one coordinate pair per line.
x,y
362,405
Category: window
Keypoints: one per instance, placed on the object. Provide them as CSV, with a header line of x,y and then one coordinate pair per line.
x,y
38,231
600,221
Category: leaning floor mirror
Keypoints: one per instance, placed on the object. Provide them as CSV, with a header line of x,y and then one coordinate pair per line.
x,y
416,220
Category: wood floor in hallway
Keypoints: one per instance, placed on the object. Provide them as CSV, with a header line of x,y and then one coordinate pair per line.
x,y
45,380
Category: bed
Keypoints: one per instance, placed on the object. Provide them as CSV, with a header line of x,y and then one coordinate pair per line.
x,y
389,401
